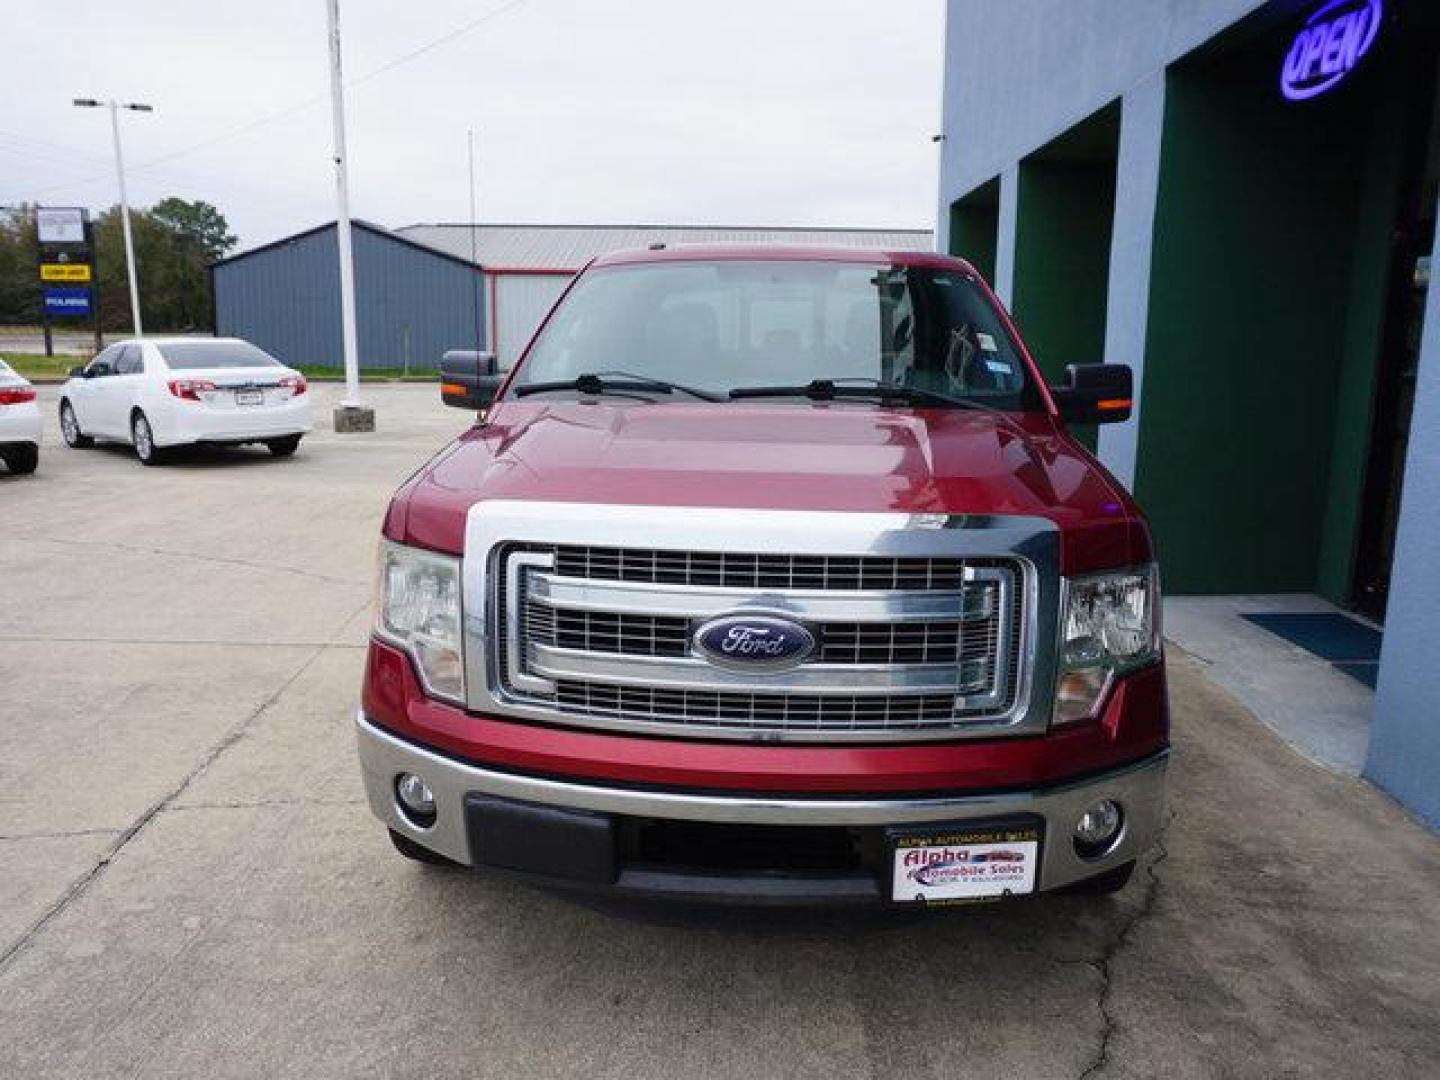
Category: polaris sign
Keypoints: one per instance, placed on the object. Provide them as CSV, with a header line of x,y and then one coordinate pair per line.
x,y
1328,47
66,300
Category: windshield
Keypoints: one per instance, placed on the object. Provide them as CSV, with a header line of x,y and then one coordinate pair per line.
x,y
193,355
725,325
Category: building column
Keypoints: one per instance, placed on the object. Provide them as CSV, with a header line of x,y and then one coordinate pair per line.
x,y
1137,182
1404,756
1005,235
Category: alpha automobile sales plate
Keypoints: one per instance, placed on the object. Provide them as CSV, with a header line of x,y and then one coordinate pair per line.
x,y
965,863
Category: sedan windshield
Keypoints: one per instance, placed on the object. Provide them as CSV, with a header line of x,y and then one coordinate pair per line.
x,y
740,325
194,355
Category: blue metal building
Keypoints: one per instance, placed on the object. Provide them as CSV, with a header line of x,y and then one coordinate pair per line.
x,y
412,301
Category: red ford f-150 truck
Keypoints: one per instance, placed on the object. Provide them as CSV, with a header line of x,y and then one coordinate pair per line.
x,y
771,575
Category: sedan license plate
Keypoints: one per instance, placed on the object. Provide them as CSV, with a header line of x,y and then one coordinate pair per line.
x,y
249,397
965,863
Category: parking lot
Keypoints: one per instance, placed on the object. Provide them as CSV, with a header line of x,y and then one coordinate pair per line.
x,y
191,884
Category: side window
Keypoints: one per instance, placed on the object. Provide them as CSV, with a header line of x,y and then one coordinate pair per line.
x,y
110,356
129,362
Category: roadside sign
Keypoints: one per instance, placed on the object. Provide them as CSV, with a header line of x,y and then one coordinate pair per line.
x,y
64,271
60,225
65,256
67,300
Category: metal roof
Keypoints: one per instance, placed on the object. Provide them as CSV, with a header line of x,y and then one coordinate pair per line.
x,y
356,223
566,248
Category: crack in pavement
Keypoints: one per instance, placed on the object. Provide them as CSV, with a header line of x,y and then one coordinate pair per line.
x,y
1102,965
82,884
258,804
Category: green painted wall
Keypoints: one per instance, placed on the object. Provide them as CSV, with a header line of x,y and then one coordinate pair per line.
x,y
1260,349
1062,263
974,228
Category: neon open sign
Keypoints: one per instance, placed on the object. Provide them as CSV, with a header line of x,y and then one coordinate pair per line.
x,y
1328,47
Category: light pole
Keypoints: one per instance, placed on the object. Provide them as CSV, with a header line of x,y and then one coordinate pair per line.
x,y
351,415
115,107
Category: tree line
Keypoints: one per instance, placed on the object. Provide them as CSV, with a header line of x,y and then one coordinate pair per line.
x,y
175,242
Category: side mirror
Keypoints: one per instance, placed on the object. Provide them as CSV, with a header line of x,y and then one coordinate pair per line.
x,y
469,379
1095,394
77,372
97,371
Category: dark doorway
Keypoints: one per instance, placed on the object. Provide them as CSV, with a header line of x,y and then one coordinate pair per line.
x,y
1413,239
1273,401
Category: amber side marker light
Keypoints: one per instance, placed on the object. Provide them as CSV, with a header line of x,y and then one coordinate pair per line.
x,y
452,388
1113,404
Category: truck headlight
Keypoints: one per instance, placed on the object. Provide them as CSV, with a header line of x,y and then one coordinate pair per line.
x,y
1111,625
419,610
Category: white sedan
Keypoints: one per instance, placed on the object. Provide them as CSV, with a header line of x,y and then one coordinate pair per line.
x,y
19,422
158,393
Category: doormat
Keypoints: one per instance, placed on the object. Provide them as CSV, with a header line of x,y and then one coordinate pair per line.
x,y
1349,645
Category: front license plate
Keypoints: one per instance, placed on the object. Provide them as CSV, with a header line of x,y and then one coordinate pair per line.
x,y
956,865
249,397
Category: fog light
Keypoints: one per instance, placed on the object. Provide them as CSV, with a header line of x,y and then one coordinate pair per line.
x,y
417,801
1098,828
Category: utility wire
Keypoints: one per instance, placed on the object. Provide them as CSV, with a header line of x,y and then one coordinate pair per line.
x,y
57,160
299,106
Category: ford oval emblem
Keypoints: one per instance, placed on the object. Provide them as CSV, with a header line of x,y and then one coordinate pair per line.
x,y
753,642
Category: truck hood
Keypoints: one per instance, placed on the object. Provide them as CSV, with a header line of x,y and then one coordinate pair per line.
x,y
782,455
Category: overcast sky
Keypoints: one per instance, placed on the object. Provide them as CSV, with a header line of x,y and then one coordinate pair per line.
x,y
744,112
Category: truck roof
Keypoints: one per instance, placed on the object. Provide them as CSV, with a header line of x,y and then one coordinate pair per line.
x,y
780,253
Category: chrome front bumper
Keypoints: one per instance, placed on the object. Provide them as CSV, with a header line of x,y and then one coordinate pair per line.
x,y
1139,788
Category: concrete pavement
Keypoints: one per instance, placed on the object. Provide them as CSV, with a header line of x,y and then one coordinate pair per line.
x,y
190,882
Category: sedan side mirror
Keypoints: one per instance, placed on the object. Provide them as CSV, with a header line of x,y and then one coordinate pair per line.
x,y
469,379
1095,394
96,371
78,371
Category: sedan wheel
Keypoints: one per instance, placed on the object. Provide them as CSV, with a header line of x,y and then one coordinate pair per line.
x,y
70,428
284,447
21,459
144,440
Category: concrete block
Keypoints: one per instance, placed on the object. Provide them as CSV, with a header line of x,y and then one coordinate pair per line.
x,y
350,419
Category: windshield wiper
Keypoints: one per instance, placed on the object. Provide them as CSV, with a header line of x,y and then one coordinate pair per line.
x,y
614,382
831,389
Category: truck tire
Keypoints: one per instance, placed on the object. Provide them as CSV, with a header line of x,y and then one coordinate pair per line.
x,y
1112,881
419,853
22,459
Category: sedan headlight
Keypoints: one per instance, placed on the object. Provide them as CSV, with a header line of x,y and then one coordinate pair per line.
x,y
1111,626
419,610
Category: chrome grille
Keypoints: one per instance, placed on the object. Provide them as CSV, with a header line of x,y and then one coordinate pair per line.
x,y
840,642
754,571
756,711
904,644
